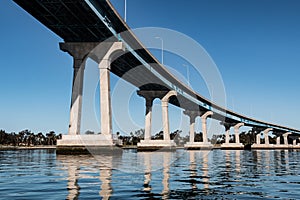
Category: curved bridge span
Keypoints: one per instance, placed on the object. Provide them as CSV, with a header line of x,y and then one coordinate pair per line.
x,y
84,24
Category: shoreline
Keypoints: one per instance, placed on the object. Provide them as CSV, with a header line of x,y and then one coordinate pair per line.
x,y
3,147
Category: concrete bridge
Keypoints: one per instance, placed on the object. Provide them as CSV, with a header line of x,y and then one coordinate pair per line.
x,y
93,29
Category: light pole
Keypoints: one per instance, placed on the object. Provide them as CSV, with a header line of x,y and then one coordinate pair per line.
x,y
125,12
188,73
162,49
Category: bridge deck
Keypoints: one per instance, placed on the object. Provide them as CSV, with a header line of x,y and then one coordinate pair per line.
x,y
76,21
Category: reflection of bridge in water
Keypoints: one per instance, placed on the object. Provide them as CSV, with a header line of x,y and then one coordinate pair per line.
x,y
192,173
85,26
101,168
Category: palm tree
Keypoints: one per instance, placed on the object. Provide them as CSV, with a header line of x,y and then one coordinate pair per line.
x,y
50,138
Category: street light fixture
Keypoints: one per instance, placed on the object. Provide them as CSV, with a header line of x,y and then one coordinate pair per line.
x,y
162,49
188,73
125,10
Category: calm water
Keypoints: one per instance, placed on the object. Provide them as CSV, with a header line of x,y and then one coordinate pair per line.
x,y
36,174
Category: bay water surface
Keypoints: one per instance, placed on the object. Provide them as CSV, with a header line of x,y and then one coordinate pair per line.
x,y
217,174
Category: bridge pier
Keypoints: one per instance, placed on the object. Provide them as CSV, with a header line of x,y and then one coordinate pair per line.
x,y
267,145
79,52
192,145
192,115
148,118
236,144
278,140
236,131
258,139
285,145
295,145
74,142
152,145
285,138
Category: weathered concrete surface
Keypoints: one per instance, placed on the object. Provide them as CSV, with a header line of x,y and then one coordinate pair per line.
x,y
232,146
262,146
94,144
198,146
282,146
154,145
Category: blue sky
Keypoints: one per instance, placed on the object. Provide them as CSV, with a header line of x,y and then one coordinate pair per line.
x,y
255,45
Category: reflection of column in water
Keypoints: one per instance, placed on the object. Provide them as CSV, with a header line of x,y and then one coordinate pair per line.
x,y
259,161
147,163
193,169
267,161
228,163
165,182
105,176
205,170
238,162
73,175
258,153
286,159
277,160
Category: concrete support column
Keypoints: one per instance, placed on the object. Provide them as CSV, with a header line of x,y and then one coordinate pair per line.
x,y
227,127
76,99
165,114
79,52
149,97
105,99
192,115
204,124
236,132
278,140
227,136
148,118
285,138
258,138
295,142
266,134
192,128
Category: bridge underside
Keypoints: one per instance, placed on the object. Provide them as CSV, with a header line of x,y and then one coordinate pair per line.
x,y
75,22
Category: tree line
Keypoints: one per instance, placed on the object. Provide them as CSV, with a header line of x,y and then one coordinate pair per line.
x,y
246,138
28,138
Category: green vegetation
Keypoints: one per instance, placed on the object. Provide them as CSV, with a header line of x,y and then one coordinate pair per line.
x,y
135,137
27,138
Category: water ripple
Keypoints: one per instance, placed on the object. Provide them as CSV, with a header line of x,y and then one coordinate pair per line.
x,y
33,174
